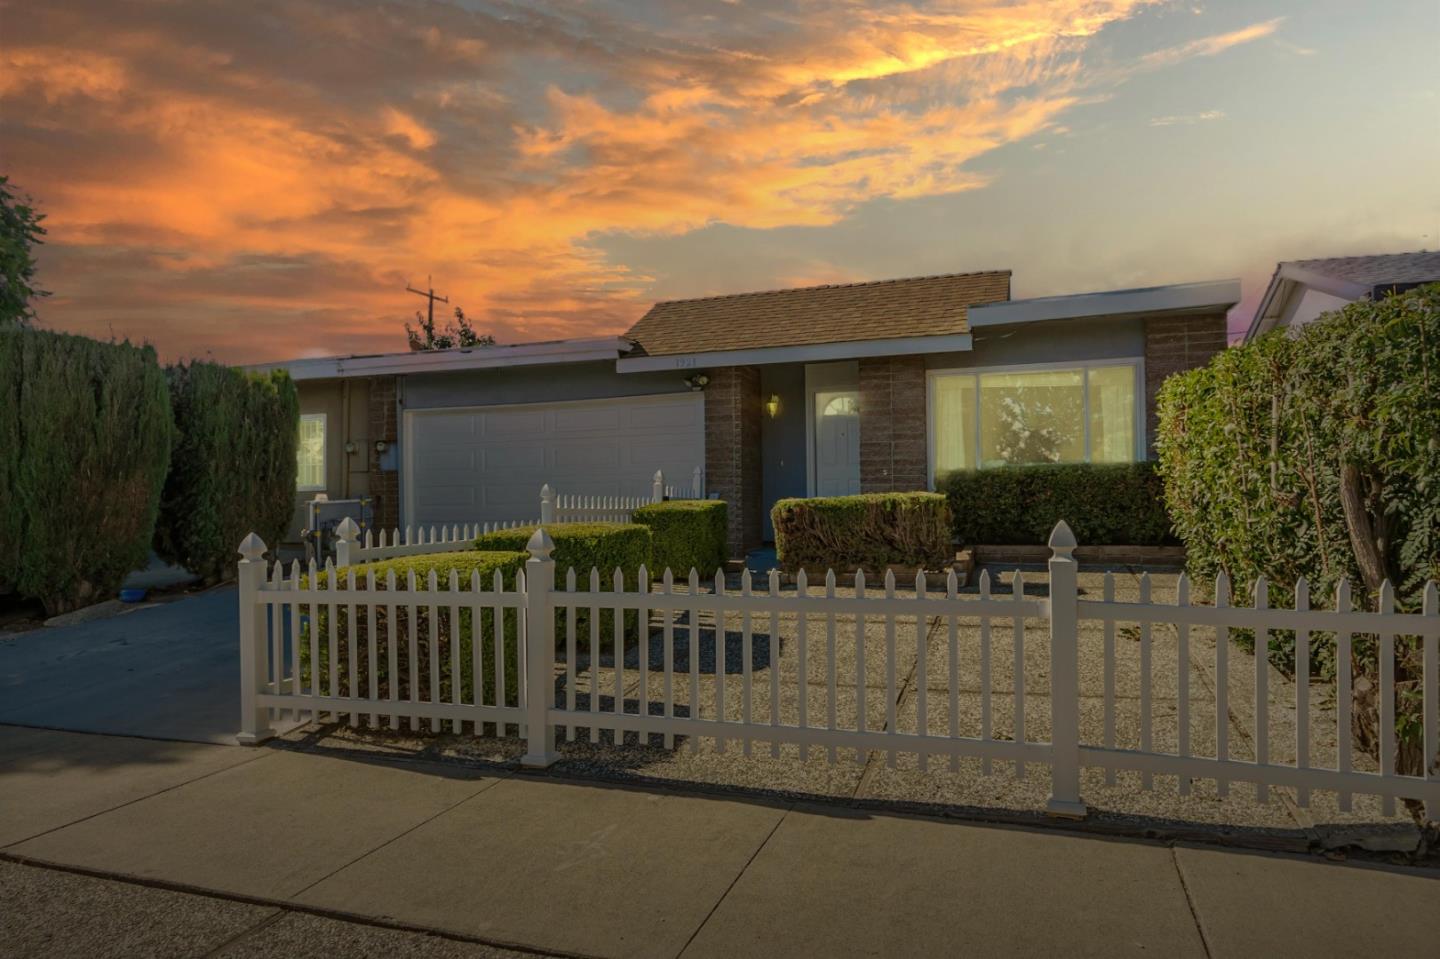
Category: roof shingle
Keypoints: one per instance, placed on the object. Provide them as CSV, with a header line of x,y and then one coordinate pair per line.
x,y
1380,270
838,313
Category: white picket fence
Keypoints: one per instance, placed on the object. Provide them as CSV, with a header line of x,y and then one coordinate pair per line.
x,y
737,695
553,508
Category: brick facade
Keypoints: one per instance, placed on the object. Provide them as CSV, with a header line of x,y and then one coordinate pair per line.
x,y
1174,344
893,455
732,450
384,483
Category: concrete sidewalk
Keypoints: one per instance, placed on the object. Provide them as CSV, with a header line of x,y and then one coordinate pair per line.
x,y
270,836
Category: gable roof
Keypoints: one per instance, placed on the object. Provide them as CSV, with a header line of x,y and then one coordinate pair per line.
x,y
1345,277
834,313
1421,266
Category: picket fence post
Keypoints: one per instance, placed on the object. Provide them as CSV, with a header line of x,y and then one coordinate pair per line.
x,y
1064,677
547,505
657,488
697,484
539,651
254,661
346,534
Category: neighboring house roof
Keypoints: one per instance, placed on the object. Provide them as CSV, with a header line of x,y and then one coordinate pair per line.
x,y
1345,277
1207,296
835,313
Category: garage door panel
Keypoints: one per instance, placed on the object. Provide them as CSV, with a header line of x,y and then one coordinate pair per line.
x,y
581,420
469,466
513,423
587,455
660,416
513,456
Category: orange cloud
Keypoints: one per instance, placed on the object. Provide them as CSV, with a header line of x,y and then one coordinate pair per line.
x,y
263,185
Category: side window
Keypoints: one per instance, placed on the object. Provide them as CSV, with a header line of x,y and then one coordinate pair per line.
x,y
310,475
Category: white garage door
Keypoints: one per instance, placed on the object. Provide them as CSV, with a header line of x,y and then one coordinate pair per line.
x,y
487,464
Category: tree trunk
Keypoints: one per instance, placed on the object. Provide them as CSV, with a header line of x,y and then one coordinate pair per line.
x,y
1363,542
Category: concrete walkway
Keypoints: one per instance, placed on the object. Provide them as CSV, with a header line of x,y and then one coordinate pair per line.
x,y
270,838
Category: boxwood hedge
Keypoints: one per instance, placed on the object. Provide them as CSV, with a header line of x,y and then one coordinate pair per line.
x,y
1120,504
448,630
584,547
688,534
870,531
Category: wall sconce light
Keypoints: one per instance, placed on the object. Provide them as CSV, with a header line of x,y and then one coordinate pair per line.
x,y
380,446
772,405
697,382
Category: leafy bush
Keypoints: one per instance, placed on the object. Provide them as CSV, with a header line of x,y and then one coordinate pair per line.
x,y
583,547
447,630
869,531
85,434
688,534
233,469
1317,454
1119,504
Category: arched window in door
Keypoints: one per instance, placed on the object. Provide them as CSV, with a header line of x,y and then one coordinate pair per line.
x,y
840,406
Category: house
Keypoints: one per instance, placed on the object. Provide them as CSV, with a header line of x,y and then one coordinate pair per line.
x,y
843,388
1301,290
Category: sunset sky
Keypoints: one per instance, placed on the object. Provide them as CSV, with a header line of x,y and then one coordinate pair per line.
x,y
259,180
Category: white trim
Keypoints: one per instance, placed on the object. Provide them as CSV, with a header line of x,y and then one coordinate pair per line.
x,y
1288,284
407,418
1212,294
324,455
591,349
1138,362
810,353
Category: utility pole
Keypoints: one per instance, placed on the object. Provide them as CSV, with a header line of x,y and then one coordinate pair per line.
x,y
429,294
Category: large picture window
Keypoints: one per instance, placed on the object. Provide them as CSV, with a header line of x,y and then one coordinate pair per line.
x,y
1079,414
310,475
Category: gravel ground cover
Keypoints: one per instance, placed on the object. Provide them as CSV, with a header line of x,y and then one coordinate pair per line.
x,y
923,660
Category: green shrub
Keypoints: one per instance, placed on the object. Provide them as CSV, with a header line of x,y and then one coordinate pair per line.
x,y
583,547
1105,504
1261,450
869,532
465,565
85,435
688,534
233,469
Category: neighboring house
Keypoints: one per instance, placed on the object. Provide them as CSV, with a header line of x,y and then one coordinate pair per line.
x,y
824,390
1301,290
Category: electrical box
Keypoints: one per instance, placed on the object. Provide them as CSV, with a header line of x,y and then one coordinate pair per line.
x,y
323,516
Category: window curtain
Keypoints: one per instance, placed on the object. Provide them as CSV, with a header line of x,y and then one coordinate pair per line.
x,y
954,426
1112,414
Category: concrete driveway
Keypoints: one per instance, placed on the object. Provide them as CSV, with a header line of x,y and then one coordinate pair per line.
x,y
169,671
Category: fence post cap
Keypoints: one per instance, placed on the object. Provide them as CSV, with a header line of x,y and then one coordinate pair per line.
x,y
659,476
252,548
546,492
348,530
1062,540
540,545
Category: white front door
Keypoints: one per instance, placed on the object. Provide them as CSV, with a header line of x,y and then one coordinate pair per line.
x,y
837,442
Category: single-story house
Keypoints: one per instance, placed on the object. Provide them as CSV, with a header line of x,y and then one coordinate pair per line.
x,y
826,390
1301,290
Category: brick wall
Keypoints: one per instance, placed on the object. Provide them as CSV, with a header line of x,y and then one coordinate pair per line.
x,y
732,450
384,483
1174,344
892,424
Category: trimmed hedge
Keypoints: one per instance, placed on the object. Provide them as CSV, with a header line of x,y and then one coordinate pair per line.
x,y
688,534
870,531
1120,504
1316,453
85,437
233,469
583,547
465,564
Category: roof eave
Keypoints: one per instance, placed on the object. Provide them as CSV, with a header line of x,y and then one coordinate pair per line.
x,y
800,353
1177,298
592,349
